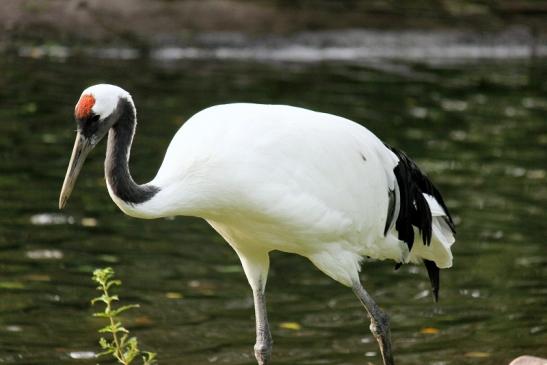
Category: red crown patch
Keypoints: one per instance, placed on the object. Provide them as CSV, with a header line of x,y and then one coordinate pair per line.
x,y
83,108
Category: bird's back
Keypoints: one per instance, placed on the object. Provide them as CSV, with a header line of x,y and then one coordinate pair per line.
x,y
265,154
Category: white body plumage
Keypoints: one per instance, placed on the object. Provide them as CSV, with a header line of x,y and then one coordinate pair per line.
x,y
273,177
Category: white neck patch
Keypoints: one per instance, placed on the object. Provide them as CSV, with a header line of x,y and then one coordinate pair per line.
x,y
106,98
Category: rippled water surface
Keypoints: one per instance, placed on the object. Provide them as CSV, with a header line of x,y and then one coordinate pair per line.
x,y
478,129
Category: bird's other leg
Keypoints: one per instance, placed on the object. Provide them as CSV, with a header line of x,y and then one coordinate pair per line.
x,y
379,322
256,267
263,345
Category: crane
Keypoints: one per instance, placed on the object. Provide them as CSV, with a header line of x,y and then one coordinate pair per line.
x,y
277,177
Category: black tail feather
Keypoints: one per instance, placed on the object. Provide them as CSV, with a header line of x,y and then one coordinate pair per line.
x,y
414,210
434,277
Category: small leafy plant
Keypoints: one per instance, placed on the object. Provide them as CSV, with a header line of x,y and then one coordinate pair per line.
x,y
120,345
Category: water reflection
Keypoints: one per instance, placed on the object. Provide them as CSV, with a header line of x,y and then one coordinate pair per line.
x,y
478,129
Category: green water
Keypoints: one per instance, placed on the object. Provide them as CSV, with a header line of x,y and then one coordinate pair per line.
x,y
478,129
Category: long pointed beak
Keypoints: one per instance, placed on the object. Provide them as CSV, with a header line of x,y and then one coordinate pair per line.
x,y
81,149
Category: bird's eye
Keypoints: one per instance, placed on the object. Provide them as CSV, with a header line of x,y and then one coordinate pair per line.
x,y
95,118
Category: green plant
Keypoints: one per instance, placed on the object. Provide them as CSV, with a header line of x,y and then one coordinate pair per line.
x,y
122,347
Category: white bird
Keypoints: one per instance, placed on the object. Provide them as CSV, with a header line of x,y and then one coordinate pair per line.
x,y
276,177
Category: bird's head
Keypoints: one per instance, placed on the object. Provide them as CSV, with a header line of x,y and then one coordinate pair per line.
x,y
97,110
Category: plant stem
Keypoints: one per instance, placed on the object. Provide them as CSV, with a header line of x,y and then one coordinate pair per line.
x,y
119,354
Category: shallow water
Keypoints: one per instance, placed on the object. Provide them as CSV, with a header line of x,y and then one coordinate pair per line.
x,y
478,129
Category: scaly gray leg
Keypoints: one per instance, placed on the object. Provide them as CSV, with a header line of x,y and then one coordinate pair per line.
x,y
263,346
379,323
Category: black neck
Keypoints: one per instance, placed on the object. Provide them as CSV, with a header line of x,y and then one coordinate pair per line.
x,y
116,165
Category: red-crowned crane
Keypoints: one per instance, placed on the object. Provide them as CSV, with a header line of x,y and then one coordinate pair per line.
x,y
276,177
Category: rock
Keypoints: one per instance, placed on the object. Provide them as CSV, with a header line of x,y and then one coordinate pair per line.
x,y
528,360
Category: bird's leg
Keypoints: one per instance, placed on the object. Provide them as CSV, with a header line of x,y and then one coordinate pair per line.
x,y
256,264
263,346
379,322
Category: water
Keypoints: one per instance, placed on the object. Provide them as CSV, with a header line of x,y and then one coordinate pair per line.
x,y
354,45
478,129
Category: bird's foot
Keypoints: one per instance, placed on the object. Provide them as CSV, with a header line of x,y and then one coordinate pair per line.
x,y
379,326
263,351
